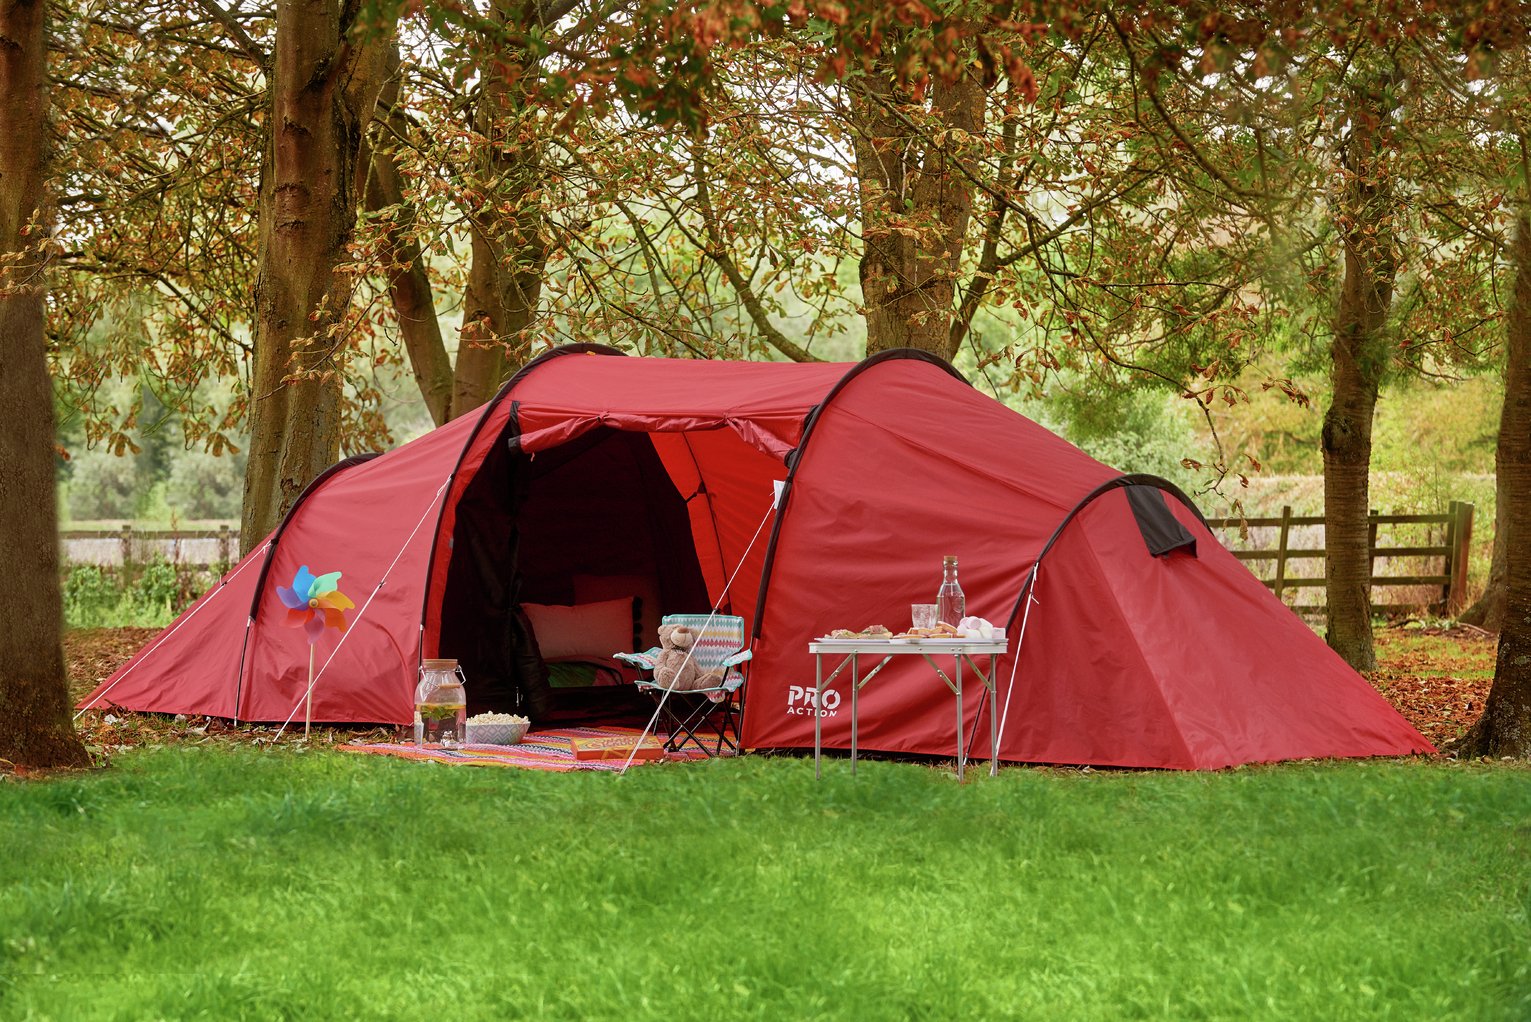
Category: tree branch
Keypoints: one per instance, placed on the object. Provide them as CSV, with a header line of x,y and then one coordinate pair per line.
x,y
717,251
236,31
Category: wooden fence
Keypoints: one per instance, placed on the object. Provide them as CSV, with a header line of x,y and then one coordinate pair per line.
x,y
207,547
1453,552
127,545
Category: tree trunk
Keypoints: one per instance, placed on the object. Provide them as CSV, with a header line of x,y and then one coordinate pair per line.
x,y
35,730
1505,727
509,255
1488,612
916,200
324,88
409,287
1359,356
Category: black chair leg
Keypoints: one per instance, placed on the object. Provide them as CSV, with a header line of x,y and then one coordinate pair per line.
x,y
729,720
682,714
683,728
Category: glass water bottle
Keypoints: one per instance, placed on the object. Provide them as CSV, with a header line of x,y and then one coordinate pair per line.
x,y
441,704
951,605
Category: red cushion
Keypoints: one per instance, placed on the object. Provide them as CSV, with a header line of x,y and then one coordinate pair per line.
x,y
592,588
585,629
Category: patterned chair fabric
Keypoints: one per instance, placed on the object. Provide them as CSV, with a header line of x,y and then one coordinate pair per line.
x,y
721,645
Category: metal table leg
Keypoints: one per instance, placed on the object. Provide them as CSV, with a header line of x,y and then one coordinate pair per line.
x,y
855,689
818,737
993,716
960,750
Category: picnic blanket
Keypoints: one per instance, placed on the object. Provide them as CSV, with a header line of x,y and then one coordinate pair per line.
x,y
539,750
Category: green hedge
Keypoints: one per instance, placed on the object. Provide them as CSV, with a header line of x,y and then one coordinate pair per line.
x,y
148,595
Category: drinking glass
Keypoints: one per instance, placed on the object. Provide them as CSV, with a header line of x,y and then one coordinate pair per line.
x,y
923,615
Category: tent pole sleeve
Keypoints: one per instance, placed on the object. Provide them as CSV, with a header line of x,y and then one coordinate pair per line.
x,y
1129,479
795,457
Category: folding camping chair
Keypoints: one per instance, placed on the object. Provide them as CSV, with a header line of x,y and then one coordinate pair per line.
x,y
720,646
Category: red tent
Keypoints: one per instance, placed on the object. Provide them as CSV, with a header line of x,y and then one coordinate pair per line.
x,y
1147,645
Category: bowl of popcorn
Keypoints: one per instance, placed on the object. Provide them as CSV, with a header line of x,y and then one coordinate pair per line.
x,y
495,729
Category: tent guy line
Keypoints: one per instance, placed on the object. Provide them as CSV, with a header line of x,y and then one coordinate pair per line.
x,y
222,585
1020,642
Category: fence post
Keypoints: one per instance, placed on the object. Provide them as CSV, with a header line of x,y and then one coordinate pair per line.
x,y
223,543
1443,605
1371,559
1371,551
127,544
1286,526
1462,524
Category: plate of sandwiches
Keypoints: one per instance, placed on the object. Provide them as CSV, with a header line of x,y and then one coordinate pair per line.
x,y
942,632
845,634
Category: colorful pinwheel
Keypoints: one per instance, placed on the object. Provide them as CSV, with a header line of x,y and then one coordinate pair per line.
x,y
315,603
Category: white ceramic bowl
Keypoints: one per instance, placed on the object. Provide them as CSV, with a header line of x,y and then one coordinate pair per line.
x,y
494,734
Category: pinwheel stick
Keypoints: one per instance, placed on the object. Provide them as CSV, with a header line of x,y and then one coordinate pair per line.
x,y
308,696
314,603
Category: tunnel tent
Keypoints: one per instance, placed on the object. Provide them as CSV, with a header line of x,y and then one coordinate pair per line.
x,y
1147,643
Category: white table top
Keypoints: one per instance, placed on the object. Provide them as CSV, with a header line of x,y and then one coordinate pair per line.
x,y
893,647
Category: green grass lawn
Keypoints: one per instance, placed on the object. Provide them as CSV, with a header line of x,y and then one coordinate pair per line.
x,y
231,883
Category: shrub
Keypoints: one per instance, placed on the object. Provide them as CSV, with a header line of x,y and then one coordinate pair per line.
x,y
157,591
144,596
90,595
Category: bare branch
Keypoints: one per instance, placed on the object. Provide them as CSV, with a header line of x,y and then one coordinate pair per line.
x,y
236,31
717,250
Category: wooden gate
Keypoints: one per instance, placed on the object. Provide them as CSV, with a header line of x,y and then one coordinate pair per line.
x,y
1453,552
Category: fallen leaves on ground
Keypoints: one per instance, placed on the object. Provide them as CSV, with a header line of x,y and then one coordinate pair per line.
x,y
1437,677
92,654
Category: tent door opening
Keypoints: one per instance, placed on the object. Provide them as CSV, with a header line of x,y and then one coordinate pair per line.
x,y
546,549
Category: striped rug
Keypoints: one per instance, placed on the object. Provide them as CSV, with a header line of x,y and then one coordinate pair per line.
x,y
539,750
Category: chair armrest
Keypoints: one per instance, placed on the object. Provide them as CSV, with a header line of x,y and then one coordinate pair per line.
x,y
730,684
644,660
739,658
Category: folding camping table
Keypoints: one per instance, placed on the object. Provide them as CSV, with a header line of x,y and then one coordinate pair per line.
x,y
959,650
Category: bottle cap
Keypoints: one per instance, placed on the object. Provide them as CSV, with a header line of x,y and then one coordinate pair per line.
x,y
949,559
439,665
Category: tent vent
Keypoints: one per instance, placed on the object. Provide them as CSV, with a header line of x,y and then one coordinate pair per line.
x,y
1161,530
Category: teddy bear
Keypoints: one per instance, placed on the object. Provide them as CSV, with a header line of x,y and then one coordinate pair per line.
x,y
675,668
